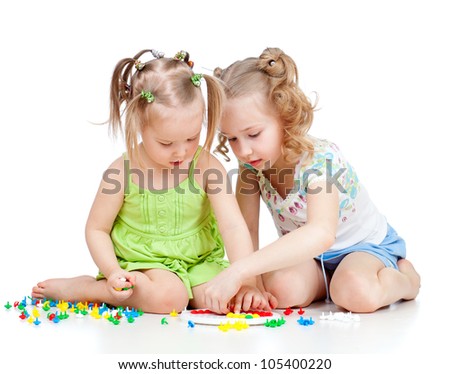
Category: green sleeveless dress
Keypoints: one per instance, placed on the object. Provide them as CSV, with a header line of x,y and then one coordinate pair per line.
x,y
172,229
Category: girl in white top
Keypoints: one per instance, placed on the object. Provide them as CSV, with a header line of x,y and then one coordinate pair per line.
x,y
333,241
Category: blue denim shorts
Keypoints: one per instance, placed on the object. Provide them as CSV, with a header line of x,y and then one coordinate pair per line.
x,y
389,251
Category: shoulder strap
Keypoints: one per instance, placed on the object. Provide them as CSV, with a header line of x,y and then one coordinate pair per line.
x,y
127,176
194,162
126,166
248,167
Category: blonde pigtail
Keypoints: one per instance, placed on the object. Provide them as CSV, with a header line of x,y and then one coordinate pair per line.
x,y
215,96
120,93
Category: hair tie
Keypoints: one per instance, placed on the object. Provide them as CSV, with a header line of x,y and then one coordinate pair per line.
x,y
196,79
184,57
157,54
138,65
181,56
147,95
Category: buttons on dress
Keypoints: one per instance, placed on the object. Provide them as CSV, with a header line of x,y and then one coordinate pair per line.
x,y
162,212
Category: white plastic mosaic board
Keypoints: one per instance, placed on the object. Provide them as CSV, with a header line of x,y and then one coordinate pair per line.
x,y
217,319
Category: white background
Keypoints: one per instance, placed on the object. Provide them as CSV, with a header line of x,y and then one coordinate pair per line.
x,y
380,69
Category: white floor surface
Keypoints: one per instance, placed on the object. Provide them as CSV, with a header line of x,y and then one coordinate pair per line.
x,y
405,332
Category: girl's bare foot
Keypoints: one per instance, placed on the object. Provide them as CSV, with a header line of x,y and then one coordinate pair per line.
x,y
406,267
64,288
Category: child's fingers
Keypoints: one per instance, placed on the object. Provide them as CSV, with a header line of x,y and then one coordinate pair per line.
x,y
263,304
131,278
272,300
121,295
247,301
237,304
260,303
221,307
128,279
231,304
124,283
216,305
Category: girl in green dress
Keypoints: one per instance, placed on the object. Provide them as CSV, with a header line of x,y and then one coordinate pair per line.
x,y
164,211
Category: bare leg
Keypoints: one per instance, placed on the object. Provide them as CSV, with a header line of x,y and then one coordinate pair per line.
x,y
361,283
156,291
82,288
298,285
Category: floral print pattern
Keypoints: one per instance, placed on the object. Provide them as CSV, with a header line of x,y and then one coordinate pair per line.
x,y
327,163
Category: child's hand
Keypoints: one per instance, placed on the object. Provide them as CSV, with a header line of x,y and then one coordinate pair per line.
x,y
250,297
121,284
220,290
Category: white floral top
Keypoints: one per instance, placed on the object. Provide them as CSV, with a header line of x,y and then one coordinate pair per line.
x,y
359,219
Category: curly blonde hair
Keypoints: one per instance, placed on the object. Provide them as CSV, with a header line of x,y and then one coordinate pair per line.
x,y
275,75
169,81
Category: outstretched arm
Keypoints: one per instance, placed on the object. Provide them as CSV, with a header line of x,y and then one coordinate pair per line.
x,y
233,228
300,245
235,233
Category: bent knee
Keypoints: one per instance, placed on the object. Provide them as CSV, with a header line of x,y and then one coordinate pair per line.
x,y
165,300
355,293
289,292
